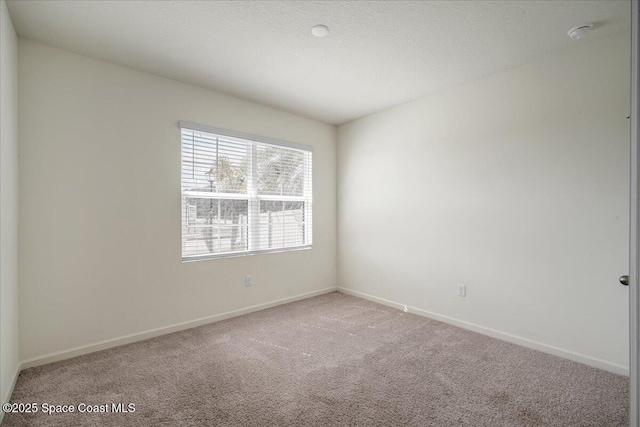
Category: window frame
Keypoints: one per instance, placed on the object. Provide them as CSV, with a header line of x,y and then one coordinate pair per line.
x,y
252,197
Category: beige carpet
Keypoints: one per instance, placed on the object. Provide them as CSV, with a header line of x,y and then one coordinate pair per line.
x,y
332,360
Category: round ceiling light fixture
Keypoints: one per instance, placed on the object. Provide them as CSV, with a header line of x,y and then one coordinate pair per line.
x,y
320,30
580,32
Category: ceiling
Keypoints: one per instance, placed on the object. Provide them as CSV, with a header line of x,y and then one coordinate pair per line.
x,y
377,54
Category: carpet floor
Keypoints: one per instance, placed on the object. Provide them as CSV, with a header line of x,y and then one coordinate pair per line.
x,y
331,360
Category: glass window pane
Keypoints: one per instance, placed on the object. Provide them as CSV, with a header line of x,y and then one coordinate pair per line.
x,y
282,224
214,226
213,164
280,171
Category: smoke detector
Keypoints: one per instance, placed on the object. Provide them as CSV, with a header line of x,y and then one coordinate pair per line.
x,y
320,30
580,31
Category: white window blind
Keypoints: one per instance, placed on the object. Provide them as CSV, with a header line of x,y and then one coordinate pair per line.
x,y
243,194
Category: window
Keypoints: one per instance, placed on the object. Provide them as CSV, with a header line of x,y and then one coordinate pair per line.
x,y
243,194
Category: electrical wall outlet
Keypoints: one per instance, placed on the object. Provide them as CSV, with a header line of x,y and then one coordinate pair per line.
x,y
462,290
247,281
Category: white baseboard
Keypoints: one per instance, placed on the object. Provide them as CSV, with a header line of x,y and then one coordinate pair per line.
x,y
7,396
103,345
567,354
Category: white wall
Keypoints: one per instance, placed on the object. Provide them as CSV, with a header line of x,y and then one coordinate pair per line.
x,y
100,248
516,185
9,346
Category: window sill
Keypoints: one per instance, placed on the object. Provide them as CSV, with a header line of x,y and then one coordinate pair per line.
x,y
244,254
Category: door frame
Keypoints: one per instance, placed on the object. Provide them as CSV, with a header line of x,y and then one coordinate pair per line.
x,y
634,228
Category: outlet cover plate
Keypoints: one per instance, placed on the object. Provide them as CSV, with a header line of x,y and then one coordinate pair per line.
x,y
462,290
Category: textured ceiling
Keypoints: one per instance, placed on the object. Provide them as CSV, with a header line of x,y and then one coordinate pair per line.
x,y
378,54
